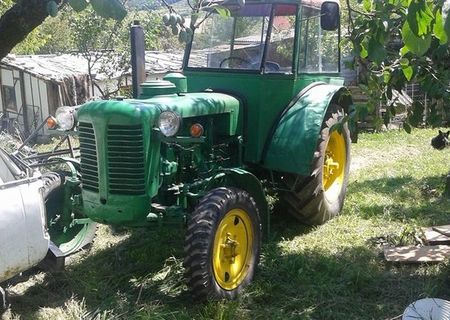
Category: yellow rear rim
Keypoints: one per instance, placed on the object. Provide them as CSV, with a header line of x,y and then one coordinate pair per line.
x,y
334,164
232,250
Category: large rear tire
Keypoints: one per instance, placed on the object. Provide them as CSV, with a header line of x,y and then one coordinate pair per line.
x,y
320,197
222,244
69,238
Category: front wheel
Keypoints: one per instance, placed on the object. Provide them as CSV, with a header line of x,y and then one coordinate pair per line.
x,y
320,197
222,244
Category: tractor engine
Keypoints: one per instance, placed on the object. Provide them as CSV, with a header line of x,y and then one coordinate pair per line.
x,y
140,157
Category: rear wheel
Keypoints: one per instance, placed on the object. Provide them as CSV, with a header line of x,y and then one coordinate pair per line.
x,y
320,197
67,235
222,244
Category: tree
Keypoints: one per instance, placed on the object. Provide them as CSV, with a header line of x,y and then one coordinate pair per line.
x,y
22,17
20,20
402,42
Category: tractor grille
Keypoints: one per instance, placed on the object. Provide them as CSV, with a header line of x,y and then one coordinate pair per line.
x,y
89,167
126,168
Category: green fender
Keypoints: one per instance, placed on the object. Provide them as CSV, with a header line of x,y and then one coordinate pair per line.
x,y
290,147
245,180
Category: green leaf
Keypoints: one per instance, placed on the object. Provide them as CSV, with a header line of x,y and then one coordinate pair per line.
x,y
404,62
419,17
78,5
107,9
52,8
411,17
367,4
417,45
404,50
363,53
222,11
438,28
408,72
386,76
377,52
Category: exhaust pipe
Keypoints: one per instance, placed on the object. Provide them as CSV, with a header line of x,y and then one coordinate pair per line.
x,y
137,57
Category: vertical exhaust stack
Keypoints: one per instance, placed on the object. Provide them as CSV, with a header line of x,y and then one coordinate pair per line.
x,y
137,57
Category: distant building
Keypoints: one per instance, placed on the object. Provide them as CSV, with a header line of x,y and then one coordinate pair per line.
x,y
34,86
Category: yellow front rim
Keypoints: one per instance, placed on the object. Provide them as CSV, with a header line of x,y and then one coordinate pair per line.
x,y
232,250
334,164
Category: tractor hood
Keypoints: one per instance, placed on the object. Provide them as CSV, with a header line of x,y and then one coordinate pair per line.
x,y
120,149
140,111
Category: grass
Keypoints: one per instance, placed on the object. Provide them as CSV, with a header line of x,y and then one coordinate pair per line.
x,y
334,271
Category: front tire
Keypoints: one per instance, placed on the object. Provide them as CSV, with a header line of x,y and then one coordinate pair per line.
x,y
222,244
320,197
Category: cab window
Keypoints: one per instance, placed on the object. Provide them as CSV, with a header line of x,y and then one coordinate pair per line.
x,y
319,49
280,50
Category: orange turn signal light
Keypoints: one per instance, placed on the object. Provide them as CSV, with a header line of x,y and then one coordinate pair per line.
x,y
51,123
196,130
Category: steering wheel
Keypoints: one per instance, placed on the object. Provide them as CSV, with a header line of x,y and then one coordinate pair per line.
x,y
235,58
272,66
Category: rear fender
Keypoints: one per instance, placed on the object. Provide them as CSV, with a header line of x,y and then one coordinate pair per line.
x,y
291,145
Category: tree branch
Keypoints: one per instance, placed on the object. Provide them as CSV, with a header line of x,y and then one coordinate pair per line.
x,y
22,18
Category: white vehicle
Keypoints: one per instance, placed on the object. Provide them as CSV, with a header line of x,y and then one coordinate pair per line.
x,y
24,240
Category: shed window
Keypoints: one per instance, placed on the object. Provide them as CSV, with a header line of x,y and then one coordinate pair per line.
x,y
10,98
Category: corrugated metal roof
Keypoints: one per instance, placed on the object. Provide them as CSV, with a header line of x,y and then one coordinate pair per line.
x,y
160,62
58,67
48,67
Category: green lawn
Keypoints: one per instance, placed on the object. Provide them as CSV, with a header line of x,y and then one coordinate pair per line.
x,y
335,271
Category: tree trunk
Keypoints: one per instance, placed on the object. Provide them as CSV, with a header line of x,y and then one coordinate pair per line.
x,y
19,21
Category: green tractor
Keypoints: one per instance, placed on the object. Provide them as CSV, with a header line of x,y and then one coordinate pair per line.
x,y
259,101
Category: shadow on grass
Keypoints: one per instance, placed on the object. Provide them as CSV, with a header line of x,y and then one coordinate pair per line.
x,y
354,283
142,274
141,269
408,197
142,277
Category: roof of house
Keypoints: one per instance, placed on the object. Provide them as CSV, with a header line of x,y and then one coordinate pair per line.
x,y
57,67
48,67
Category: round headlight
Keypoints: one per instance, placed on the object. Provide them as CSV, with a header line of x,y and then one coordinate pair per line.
x,y
169,123
65,118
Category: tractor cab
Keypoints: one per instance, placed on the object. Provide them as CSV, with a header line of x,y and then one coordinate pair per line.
x,y
267,38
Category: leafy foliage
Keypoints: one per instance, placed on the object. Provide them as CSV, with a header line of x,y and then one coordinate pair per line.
x,y
400,42
105,43
35,40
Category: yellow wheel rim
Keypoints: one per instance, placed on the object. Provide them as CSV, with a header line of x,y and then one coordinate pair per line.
x,y
334,164
232,250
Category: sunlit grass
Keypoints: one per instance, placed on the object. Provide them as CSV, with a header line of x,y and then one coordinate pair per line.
x,y
334,271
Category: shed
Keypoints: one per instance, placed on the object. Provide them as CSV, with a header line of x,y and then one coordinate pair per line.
x,y
34,86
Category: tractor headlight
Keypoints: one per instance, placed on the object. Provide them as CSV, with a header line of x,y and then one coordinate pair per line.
x,y
65,118
169,122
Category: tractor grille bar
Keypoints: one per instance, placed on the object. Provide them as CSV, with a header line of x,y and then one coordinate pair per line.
x,y
126,169
88,150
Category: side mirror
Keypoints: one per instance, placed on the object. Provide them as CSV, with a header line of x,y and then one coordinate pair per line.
x,y
329,15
